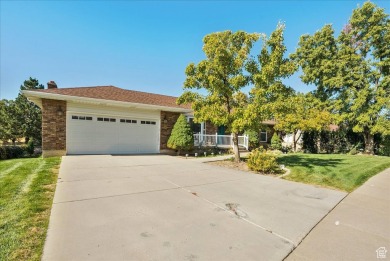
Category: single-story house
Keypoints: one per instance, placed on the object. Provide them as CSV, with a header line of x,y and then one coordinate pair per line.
x,y
107,120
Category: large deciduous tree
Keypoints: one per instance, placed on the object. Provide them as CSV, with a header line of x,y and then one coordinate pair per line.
x,y
352,71
300,113
214,85
267,72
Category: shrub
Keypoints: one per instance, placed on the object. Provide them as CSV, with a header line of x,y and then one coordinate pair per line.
x,y
11,152
309,140
253,138
30,147
286,149
276,142
181,137
353,151
384,146
259,160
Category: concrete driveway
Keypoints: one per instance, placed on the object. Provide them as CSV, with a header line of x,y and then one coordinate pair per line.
x,y
167,208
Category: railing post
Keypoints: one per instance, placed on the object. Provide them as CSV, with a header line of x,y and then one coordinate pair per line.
x,y
231,140
216,138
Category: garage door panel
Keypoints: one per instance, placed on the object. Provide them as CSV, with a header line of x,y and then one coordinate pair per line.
x,y
109,137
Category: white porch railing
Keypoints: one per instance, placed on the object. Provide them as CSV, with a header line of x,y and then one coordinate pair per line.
x,y
223,141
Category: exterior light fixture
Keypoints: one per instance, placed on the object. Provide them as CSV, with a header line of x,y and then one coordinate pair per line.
x,y
60,112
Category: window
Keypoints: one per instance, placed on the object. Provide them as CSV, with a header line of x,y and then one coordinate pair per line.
x,y
195,127
106,119
148,122
83,118
263,136
128,121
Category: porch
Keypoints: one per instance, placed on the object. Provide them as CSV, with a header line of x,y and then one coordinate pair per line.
x,y
221,141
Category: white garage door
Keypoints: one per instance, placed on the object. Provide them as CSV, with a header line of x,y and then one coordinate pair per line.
x,y
94,134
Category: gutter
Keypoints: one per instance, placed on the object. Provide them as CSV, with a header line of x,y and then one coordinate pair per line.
x,y
37,97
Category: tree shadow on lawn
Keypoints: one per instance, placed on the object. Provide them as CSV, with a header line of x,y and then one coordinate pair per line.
x,y
309,162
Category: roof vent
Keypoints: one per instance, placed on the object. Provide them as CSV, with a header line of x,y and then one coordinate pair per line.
x,y
52,85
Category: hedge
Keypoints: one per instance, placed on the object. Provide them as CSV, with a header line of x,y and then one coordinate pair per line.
x,y
11,152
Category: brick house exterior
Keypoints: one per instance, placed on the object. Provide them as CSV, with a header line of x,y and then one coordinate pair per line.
x,y
62,108
107,120
53,127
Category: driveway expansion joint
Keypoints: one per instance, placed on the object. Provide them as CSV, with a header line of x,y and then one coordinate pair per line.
x,y
234,212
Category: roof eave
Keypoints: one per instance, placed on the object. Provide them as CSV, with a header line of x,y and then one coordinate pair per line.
x,y
36,97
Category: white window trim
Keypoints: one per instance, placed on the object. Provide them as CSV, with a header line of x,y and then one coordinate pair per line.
x,y
202,125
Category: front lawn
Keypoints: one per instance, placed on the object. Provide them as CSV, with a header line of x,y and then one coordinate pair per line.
x,y
344,172
26,194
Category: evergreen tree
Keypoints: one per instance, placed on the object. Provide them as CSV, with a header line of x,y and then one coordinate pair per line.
x,y
181,137
27,113
276,142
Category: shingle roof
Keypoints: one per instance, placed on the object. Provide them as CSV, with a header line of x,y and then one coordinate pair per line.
x,y
117,94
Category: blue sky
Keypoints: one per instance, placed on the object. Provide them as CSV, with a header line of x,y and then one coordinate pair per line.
x,y
139,45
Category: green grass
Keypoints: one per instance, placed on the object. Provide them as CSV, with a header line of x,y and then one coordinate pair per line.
x,y
26,194
343,172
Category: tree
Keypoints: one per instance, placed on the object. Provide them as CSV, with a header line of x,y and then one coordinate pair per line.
x,y
9,123
221,77
253,138
181,137
352,71
299,113
27,113
267,74
276,142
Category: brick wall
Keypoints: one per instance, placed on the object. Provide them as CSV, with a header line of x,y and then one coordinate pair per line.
x,y
166,128
53,127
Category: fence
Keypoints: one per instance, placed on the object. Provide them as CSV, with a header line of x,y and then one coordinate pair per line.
x,y
222,141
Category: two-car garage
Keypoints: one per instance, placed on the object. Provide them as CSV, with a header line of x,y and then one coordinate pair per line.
x,y
104,120
118,133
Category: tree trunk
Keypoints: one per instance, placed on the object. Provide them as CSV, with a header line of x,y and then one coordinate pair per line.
x,y
294,142
368,143
236,149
